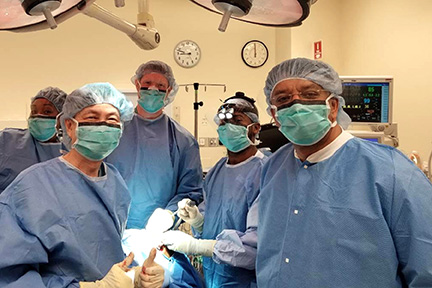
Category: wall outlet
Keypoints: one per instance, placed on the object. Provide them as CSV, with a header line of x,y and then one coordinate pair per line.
x,y
202,141
213,142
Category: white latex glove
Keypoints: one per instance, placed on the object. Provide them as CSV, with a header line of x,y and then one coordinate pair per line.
x,y
190,214
160,221
151,274
182,242
115,278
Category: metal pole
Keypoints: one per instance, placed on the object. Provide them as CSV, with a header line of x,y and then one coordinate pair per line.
x,y
196,85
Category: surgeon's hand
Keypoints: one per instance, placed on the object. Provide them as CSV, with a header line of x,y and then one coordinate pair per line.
x,y
160,221
182,242
151,274
115,278
190,213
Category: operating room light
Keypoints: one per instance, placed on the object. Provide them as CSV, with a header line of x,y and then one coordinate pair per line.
x,y
282,13
34,15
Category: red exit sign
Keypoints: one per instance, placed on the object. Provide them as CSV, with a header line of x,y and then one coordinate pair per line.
x,y
318,50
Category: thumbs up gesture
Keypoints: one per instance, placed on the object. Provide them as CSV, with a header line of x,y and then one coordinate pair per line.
x,y
152,274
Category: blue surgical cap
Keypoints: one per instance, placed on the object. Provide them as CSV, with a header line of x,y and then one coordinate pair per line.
x,y
53,94
92,94
316,71
161,68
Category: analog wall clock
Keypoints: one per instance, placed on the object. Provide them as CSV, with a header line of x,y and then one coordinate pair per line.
x,y
187,53
254,53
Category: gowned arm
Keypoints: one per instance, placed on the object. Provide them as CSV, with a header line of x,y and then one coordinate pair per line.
x,y
411,226
21,254
190,178
239,248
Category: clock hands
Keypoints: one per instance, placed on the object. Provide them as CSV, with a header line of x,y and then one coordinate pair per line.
x,y
183,52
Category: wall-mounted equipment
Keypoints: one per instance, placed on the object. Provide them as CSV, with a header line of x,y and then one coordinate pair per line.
x,y
368,99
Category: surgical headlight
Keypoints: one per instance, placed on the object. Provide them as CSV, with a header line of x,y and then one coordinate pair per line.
x,y
226,112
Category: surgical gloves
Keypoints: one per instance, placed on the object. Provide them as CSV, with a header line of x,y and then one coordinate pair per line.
x,y
160,221
190,214
115,278
184,243
150,275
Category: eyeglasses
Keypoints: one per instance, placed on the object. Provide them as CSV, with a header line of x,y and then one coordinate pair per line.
x,y
147,88
308,94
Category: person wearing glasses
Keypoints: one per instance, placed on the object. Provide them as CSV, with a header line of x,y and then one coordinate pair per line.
x,y
63,219
21,148
335,210
158,158
226,221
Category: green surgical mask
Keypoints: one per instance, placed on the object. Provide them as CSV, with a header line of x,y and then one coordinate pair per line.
x,y
305,123
234,137
151,100
42,128
95,141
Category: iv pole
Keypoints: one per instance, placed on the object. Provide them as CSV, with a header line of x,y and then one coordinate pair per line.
x,y
197,104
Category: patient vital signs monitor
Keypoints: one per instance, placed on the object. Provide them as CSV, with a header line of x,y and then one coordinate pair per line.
x,y
368,99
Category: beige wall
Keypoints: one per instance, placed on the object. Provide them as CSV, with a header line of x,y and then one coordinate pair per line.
x,y
83,50
386,37
365,37
393,37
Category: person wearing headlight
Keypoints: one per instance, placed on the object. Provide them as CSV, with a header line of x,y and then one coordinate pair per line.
x,y
227,219
336,210
158,158
21,148
64,218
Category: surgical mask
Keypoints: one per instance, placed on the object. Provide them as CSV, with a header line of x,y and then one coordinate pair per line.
x,y
305,123
42,128
235,137
151,100
96,140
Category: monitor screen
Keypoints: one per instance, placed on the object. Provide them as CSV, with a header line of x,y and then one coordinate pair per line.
x,y
368,99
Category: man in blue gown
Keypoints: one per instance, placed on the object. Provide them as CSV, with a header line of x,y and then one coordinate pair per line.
x,y
335,210
62,220
157,157
227,220
21,148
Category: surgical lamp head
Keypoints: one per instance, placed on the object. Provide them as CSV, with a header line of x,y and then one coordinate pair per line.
x,y
53,94
312,70
162,68
237,103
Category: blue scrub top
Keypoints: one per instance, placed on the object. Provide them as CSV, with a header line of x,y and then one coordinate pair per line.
x,y
161,165
230,193
62,226
361,218
19,150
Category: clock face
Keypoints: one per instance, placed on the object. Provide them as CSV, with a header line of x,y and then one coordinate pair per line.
x,y
187,53
254,53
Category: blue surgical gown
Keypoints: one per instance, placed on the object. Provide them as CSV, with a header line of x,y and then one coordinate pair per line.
x,y
19,150
361,218
161,165
230,216
60,226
